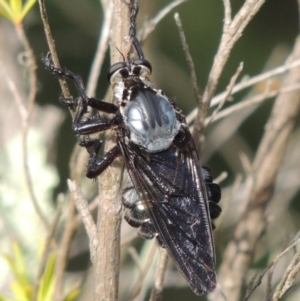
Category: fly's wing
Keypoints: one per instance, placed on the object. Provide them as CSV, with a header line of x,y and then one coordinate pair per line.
x,y
170,185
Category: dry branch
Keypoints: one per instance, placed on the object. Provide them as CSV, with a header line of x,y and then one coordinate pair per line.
x,y
106,268
288,279
156,294
83,208
188,58
102,46
259,188
232,31
51,44
150,25
249,83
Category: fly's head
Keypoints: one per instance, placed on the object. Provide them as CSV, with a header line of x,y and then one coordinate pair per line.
x,y
125,76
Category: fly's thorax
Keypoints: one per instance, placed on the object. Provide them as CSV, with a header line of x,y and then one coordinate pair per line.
x,y
118,91
150,119
122,90
124,75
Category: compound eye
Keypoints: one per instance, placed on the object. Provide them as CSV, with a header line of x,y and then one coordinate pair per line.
x,y
144,64
114,70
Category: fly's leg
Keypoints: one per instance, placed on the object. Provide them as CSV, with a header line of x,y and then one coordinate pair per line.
x,y
97,165
82,103
92,102
90,125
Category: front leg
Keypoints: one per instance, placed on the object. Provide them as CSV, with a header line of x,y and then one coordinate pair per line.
x,y
90,125
92,102
93,124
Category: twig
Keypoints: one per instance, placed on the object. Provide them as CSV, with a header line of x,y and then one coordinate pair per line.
x,y
106,268
69,228
228,93
253,100
135,257
227,14
25,115
269,283
288,278
101,48
150,25
188,58
231,34
260,187
272,264
248,83
156,293
221,177
143,271
63,251
51,44
83,208
243,104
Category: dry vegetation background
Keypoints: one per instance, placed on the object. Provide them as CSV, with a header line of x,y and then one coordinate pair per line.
x,y
250,137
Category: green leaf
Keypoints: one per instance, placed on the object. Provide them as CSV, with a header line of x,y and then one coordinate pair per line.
x,y
16,5
19,291
15,11
19,265
72,295
26,8
5,9
46,288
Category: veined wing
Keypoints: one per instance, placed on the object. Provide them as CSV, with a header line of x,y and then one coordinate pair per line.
x,y
170,185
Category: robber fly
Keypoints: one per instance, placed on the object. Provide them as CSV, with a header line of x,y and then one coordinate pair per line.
x,y
169,195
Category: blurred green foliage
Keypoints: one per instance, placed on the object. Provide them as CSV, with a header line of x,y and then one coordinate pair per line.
x,y
15,10
22,284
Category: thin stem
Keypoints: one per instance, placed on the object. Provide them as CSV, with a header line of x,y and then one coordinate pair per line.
x,y
248,83
189,59
288,278
150,25
251,101
228,93
26,111
259,188
83,208
227,14
143,270
230,36
272,264
107,7
51,44
106,267
63,251
156,293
